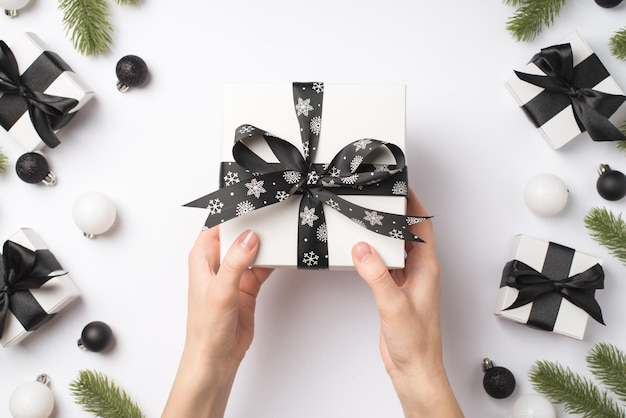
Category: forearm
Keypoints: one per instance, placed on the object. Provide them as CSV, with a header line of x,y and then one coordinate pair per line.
x,y
430,397
199,391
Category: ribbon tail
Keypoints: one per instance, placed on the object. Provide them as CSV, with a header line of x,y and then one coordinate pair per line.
x,y
388,224
585,300
4,310
242,198
41,123
595,123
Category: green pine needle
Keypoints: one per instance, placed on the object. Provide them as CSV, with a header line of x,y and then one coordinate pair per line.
x,y
608,364
528,20
100,396
3,162
127,2
608,230
617,43
577,394
86,22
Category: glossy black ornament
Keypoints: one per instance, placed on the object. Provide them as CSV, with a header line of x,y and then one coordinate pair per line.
x,y
611,184
131,71
498,382
96,336
608,3
33,167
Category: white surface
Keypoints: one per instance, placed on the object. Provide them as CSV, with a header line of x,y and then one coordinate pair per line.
x,y
471,150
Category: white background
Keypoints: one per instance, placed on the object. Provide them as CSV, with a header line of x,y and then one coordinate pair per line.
x,y
152,149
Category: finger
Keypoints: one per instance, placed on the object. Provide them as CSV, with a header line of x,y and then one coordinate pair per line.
x,y
236,261
374,272
205,254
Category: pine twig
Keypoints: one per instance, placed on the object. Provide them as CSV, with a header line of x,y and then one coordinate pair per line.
x,y
127,2
87,24
3,162
617,43
577,394
528,20
608,230
608,364
100,396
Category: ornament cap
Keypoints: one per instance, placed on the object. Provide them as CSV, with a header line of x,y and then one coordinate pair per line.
x,y
10,12
486,364
43,378
603,168
50,179
122,87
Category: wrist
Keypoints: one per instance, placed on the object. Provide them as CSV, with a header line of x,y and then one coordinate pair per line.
x,y
427,396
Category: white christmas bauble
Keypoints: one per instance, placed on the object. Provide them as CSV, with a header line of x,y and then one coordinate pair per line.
x,y
13,4
31,400
546,194
533,405
94,213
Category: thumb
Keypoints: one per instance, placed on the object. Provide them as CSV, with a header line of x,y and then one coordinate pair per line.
x,y
370,266
237,260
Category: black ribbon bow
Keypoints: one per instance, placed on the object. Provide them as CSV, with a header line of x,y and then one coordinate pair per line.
x,y
295,173
578,289
47,112
565,84
22,269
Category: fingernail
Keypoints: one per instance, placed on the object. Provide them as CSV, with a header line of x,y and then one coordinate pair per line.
x,y
248,240
362,252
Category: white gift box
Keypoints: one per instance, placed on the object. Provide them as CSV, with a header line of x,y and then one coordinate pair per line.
x,y
350,112
570,320
562,128
52,296
27,49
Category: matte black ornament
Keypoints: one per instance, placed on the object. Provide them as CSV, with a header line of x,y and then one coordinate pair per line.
x,y
611,184
498,382
131,71
96,336
32,168
608,3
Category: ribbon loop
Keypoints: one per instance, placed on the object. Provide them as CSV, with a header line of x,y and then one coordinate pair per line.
x,y
578,289
47,112
565,85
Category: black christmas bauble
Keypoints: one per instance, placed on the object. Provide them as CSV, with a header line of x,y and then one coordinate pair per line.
x,y
608,3
32,167
96,336
498,382
131,71
611,184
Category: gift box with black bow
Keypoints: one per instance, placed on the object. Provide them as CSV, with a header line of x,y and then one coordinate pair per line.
x,y
33,286
314,168
39,92
566,90
550,286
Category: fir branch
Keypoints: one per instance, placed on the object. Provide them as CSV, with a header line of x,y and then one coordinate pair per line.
x,y
528,20
617,43
87,24
608,365
577,394
608,230
3,162
515,2
100,396
127,2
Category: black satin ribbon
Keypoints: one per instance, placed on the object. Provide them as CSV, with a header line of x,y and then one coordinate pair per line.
x,y
565,84
25,93
22,269
271,183
533,285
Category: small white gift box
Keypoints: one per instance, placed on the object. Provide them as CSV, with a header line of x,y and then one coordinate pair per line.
x,y
39,304
41,71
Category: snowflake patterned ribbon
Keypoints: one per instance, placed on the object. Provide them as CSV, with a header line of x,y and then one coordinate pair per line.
x,y
252,183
